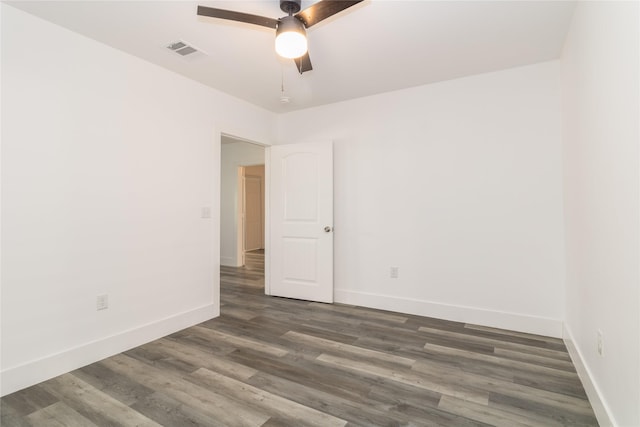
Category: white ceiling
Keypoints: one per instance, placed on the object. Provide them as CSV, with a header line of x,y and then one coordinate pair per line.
x,y
373,47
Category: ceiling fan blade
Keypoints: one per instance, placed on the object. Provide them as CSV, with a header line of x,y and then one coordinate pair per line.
x,y
237,16
303,63
323,10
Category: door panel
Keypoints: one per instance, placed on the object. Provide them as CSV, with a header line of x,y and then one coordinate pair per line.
x,y
300,178
301,206
300,257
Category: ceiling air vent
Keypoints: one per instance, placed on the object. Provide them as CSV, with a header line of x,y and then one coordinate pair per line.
x,y
185,50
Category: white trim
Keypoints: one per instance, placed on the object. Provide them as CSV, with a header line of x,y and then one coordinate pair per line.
x,y
600,408
240,216
479,316
267,221
228,261
36,371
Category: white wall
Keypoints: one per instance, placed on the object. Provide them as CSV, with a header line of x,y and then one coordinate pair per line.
x,y
600,85
458,184
234,154
107,161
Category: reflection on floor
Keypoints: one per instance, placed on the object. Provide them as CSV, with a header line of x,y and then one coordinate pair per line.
x,y
254,260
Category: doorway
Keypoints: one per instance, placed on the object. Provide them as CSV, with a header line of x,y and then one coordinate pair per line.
x,y
237,157
251,216
291,264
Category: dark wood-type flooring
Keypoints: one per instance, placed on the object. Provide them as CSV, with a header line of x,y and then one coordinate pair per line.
x,y
254,260
278,362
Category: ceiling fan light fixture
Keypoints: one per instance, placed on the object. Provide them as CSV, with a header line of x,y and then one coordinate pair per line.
x,y
291,38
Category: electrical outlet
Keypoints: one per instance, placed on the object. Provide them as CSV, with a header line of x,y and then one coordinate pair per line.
x,y
102,302
393,272
600,343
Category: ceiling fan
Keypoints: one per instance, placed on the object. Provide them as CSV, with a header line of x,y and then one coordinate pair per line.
x,y
291,36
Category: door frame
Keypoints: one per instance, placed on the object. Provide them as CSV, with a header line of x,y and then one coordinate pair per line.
x,y
241,215
217,140
218,135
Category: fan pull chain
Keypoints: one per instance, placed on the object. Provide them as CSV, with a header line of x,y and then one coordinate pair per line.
x,y
283,98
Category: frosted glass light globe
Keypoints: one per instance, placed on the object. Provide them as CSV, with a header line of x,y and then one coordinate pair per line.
x,y
291,38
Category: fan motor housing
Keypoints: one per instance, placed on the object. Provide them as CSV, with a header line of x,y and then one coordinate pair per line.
x,y
290,6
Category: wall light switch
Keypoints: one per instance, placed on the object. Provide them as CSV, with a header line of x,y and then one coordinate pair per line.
x,y
599,342
102,302
393,272
206,212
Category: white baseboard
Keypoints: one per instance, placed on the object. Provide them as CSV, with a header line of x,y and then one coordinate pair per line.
x,y
600,408
228,261
478,316
36,371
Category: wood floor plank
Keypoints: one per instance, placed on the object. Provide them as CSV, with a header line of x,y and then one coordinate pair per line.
x,y
168,411
350,349
120,387
29,400
455,376
518,337
497,343
238,341
207,401
564,365
408,339
146,354
9,416
387,346
360,312
405,378
489,415
93,404
324,329
202,359
569,417
255,330
566,386
490,369
416,404
266,401
361,411
186,336
240,313
514,364
58,415
348,385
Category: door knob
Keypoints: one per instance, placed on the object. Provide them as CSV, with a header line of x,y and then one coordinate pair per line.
x,y
327,229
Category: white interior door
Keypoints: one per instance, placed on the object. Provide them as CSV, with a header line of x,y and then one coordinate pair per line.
x,y
300,245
